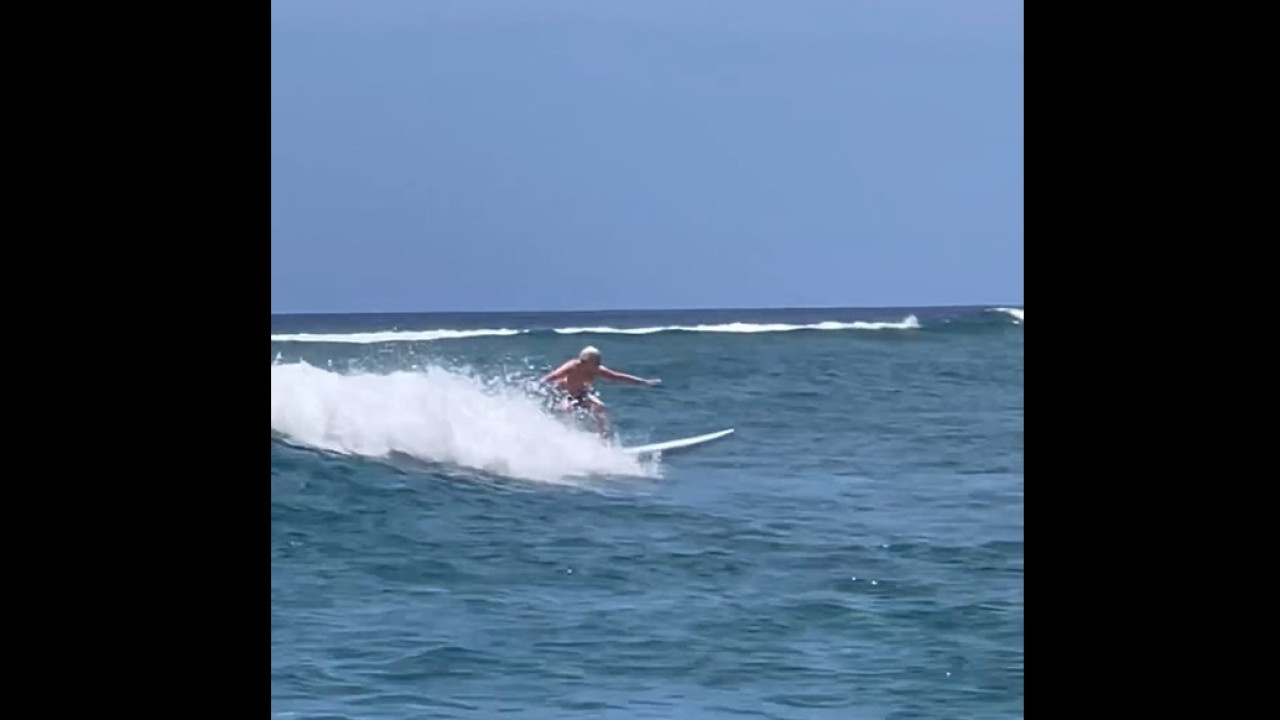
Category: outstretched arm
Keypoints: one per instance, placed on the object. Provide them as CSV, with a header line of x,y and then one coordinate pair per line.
x,y
623,377
557,373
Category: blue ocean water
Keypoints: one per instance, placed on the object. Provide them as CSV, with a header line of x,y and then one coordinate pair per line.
x,y
445,547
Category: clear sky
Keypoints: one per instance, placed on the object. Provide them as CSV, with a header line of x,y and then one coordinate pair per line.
x,y
598,154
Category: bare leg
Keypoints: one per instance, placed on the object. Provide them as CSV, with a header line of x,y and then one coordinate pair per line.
x,y
601,416
566,413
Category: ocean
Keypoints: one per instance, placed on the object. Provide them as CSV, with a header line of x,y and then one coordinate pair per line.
x,y
444,545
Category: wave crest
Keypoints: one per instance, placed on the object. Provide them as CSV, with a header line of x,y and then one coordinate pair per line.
x,y
908,323
1015,313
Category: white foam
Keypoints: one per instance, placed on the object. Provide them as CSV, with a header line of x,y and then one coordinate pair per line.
x,y
1015,312
393,336
908,323
437,415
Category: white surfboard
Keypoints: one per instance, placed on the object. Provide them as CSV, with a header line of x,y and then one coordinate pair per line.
x,y
681,444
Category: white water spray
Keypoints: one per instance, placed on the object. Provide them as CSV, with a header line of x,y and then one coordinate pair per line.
x,y
437,416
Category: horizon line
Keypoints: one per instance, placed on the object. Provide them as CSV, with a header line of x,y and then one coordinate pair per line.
x,y
651,309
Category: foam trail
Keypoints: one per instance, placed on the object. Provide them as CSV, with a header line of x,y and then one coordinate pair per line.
x,y
436,416
909,323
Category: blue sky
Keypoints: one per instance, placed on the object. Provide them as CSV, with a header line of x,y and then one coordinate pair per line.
x,y
479,155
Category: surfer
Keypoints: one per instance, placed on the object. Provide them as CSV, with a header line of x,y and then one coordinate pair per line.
x,y
574,379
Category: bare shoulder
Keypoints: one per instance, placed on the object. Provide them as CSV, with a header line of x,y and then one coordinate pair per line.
x,y
563,369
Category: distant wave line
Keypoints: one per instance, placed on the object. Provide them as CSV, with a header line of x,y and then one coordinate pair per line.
x,y
909,323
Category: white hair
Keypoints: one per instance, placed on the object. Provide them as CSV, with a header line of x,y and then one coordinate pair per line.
x,y
589,352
